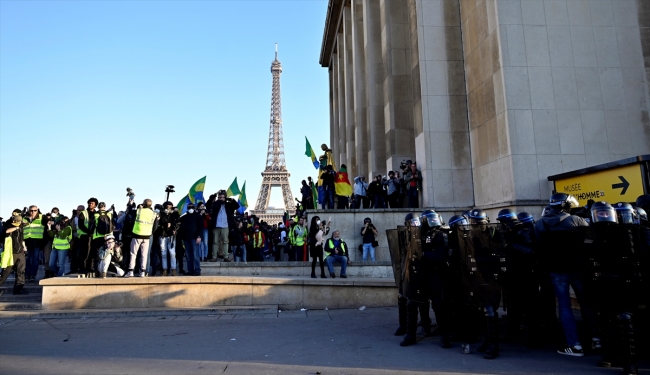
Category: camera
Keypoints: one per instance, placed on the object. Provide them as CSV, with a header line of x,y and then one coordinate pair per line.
x,y
130,193
405,164
170,189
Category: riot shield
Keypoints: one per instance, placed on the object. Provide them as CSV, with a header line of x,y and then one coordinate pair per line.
x,y
413,282
392,235
482,262
614,261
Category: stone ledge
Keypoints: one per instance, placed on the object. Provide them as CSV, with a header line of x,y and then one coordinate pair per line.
x,y
378,263
288,293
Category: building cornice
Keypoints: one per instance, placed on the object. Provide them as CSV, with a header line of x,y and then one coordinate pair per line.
x,y
332,26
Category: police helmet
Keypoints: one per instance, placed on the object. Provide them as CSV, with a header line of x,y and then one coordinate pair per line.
x,y
506,215
478,216
603,212
625,213
431,218
457,220
643,201
465,214
367,221
546,210
563,201
412,220
641,214
525,217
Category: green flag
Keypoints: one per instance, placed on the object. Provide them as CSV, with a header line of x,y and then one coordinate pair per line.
x,y
233,189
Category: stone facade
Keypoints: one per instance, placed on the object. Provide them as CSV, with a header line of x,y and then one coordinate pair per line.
x,y
489,96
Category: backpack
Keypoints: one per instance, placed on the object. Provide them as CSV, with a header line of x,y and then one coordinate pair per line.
x,y
104,224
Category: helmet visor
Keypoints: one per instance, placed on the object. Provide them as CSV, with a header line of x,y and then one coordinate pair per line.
x,y
625,216
603,215
457,222
414,222
432,219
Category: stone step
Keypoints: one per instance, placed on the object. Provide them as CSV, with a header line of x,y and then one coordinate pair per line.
x,y
32,297
377,269
135,312
12,306
31,288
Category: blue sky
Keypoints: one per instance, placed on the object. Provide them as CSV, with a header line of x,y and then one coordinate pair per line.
x,y
96,96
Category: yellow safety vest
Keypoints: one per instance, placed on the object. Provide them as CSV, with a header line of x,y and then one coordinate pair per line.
x,y
35,229
62,243
329,248
298,240
97,235
80,232
144,222
257,240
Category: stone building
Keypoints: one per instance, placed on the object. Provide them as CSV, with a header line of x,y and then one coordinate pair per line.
x,y
490,97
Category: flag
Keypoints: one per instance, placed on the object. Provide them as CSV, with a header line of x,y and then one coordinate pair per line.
x,y
243,202
342,183
314,194
233,189
196,191
182,205
310,152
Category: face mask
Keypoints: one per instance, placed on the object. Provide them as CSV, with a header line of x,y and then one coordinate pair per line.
x,y
317,222
191,211
168,211
257,230
157,211
54,214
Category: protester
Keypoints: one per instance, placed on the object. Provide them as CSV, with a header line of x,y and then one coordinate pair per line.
x,y
413,180
336,251
33,232
13,256
62,236
369,233
317,229
190,230
146,221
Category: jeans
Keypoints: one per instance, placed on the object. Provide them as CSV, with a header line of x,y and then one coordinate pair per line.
x,y
378,201
413,197
32,262
358,201
168,245
193,260
330,260
204,244
368,249
561,283
239,253
328,199
57,261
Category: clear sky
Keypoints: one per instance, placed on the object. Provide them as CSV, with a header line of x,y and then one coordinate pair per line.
x,y
96,96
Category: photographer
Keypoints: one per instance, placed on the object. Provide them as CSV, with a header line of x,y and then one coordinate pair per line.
x,y
369,233
222,219
413,180
360,190
61,238
393,185
167,239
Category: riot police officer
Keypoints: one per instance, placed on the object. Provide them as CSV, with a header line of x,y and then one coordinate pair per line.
x,y
413,283
435,262
612,252
487,247
410,220
521,285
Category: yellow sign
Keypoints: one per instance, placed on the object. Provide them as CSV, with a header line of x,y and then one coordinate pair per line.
x,y
622,184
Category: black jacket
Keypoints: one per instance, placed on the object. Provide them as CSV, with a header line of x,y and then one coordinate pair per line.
x,y
215,206
191,226
167,218
560,241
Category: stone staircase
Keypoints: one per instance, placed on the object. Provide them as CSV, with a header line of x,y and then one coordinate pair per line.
x,y
10,302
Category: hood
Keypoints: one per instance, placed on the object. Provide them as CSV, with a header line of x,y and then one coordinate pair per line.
x,y
554,217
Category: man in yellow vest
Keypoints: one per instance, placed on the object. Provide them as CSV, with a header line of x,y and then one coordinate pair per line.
x,y
298,239
61,237
33,232
85,228
336,250
146,222
102,226
14,257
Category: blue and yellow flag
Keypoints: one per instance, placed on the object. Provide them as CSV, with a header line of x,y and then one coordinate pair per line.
x,y
243,202
233,189
182,205
310,152
196,191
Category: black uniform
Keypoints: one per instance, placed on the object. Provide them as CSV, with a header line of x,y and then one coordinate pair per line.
x,y
435,264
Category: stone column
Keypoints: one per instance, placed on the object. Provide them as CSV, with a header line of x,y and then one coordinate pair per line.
x,y
340,65
398,87
375,87
360,87
350,120
334,110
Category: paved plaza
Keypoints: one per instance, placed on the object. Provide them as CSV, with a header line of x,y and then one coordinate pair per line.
x,y
288,342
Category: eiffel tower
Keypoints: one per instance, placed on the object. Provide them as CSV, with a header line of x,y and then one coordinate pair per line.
x,y
275,173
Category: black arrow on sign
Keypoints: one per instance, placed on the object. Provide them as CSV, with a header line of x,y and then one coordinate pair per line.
x,y
623,185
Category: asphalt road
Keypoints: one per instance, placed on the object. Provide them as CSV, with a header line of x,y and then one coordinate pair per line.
x,y
329,342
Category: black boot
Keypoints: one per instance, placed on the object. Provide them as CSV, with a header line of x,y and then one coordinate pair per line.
x,y
411,324
492,337
625,332
401,311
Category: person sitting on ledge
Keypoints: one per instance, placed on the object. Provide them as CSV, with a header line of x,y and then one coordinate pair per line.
x,y
336,250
